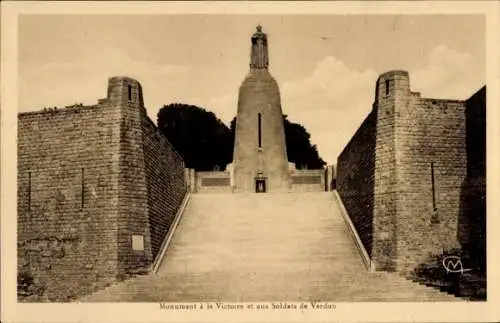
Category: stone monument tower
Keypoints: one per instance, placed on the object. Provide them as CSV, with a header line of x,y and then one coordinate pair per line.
x,y
260,162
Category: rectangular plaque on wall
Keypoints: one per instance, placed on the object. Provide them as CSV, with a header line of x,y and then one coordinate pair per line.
x,y
138,242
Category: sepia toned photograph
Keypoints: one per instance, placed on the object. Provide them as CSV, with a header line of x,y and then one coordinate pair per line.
x,y
214,161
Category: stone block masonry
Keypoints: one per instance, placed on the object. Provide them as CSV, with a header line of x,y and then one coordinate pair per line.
x,y
472,220
68,198
98,187
308,180
355,179
401,177
259,145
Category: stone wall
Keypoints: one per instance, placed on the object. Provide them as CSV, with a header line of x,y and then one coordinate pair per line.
x,y
165,181
472,220
404,171
430,139
68,198
391,90
311,180
133,194
213,182
98,187
307,180
355,180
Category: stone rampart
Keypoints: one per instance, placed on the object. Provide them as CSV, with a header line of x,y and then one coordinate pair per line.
x,y
98,187
402,175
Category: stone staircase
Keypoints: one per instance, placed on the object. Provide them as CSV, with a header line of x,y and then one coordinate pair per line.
x,y
265,247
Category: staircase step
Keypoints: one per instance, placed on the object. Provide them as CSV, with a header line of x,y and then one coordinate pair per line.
x,y
265,247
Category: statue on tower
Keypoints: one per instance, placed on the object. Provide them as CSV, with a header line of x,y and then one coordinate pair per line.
x,y
260,162
259,53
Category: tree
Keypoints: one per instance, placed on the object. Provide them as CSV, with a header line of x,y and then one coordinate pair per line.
x,y
298,146
203,141
206,143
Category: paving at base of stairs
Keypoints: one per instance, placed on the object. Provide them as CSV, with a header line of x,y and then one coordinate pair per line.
x,y
264,247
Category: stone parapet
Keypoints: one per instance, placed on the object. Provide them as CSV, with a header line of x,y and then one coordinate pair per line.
x,y
401,177
98,187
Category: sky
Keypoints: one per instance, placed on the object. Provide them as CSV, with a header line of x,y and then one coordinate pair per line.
x,y
326,65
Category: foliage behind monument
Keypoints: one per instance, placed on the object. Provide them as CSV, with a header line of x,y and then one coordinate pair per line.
x,y
206,143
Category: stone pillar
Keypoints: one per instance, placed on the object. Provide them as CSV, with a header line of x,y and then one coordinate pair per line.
x,y
187,179
230,169
259,146
192,177
330,171
125,94
392,92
